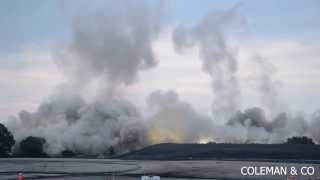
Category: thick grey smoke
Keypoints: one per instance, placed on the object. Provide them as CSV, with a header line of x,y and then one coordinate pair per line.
x,y
218,57
253,117
174,120
277,130
211,37
111,47
267,85
67,122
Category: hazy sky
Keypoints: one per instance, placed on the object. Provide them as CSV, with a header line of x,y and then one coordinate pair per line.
x,y
285,33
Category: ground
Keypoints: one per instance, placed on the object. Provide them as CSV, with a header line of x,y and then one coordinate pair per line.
x,y
102,169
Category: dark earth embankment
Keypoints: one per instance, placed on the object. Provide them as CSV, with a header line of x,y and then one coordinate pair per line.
x,y
170,151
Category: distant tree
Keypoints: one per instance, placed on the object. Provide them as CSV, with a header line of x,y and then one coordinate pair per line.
x,y
67,153
33,146
299,140
6,141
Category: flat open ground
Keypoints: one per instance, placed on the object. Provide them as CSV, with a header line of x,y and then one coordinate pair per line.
x,y
90,169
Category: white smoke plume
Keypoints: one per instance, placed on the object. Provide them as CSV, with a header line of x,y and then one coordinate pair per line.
x,y
113,45
211,37
67,122
218,57
267,85
110,47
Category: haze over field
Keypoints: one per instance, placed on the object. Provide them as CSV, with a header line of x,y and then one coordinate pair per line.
x,y
122,75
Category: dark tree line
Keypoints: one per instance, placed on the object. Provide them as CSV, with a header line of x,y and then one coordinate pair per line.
x,y
29,147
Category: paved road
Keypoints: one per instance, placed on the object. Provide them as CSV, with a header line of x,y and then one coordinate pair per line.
x,y
92,169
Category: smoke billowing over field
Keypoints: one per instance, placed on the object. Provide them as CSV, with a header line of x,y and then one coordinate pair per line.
x,y
112,48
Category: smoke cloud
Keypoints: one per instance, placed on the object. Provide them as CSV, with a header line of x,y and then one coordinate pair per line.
x,y
110,47
267,85
218,57
254,127
212,37
113,47
69,123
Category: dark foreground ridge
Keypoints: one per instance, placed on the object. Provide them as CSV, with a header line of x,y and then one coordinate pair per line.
x,y
171,151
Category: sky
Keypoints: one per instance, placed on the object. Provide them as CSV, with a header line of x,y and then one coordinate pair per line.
x,y
285,33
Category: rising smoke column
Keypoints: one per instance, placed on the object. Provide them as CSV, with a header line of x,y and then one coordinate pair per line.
x,y
314,126
113,45
218,57
110,47
211,36
267,85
